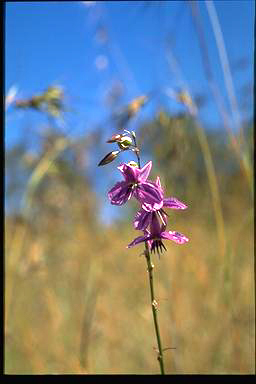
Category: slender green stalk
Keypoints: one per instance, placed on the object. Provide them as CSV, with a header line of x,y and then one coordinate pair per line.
x,y
151,283
154,308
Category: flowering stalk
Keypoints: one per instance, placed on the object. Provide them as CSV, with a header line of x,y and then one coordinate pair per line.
x,y
150,266
151,218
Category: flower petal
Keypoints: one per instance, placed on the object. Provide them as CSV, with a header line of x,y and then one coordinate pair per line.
x,y
152,207
150,195
129,172
144,172
162,217
158,182
150,243
142,219
138,240
175,236
120,193
172,202
155,226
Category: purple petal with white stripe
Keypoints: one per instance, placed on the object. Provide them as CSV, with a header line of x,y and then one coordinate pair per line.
x,y
120,193
138,240
145,171
129,173
142,219
149,194
172,202
175,236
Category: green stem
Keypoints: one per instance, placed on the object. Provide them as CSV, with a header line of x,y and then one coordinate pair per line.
x,y
154,308
151,283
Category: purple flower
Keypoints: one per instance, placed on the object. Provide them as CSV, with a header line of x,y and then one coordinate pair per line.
x,y
156,234
144,217
149,194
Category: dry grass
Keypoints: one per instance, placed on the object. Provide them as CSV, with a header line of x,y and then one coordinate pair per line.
x,y
82,300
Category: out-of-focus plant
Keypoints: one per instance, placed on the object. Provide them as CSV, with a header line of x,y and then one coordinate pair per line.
x,y
40,170
50,101
237,142
123,117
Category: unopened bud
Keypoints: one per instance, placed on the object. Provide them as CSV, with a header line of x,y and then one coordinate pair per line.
x,y
125,142
133,164
108,158
115,138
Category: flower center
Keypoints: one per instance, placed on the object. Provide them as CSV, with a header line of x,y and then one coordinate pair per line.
x,y
134,185
157,246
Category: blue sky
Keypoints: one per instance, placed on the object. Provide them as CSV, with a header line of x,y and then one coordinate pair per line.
x,y
55,42
58,43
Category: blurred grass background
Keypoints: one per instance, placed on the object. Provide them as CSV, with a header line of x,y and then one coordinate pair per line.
x,y
77,301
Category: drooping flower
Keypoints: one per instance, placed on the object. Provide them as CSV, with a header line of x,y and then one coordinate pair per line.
x,y
156,234
149,194
144,217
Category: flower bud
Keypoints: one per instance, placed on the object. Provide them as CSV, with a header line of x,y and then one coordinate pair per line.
x,y
133,164
108,158
125,142
115,138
